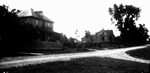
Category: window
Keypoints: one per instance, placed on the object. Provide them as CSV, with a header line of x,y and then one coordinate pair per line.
x,y
36,22
49,25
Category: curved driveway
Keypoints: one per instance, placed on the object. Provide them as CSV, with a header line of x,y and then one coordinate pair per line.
x,y
116,53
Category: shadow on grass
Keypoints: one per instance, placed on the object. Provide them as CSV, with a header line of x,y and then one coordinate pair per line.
x,y
16,52
84,65
143,53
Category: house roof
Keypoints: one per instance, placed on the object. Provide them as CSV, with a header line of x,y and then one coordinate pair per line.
x,y
34,14
105,33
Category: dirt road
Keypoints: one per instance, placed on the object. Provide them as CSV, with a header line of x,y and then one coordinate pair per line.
x,y
116,53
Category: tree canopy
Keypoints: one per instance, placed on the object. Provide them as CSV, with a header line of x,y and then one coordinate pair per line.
x,y
124,17
9,23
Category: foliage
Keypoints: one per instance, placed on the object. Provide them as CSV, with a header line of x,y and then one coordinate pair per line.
x,y
124,17
64,39
72,40
9,23
87,33
89,37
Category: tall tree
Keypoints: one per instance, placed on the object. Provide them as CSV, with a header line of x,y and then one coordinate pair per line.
x,y
89,37
87,34
9,22
124,17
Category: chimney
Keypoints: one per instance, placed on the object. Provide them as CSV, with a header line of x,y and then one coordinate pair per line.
x,y
32,12
39,12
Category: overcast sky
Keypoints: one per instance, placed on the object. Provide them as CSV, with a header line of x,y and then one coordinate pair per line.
x,y
81,15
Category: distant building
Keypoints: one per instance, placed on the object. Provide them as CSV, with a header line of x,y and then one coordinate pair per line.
x,y
101,36
37,19
104,36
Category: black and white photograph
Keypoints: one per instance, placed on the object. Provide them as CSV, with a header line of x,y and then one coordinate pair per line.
x,y
74,36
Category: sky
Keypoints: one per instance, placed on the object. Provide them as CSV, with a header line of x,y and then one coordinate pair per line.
x,y
81,15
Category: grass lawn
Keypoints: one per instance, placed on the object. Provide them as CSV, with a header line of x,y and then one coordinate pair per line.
x,y
84,65
143,53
